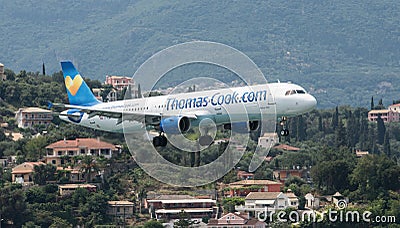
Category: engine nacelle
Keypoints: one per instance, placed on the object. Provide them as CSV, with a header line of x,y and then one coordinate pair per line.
x,y
175,124
242,127
74,115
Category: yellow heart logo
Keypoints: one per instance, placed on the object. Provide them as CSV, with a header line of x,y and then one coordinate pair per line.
x,y
73,85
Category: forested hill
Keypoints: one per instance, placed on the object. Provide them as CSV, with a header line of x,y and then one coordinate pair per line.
x,y
342,51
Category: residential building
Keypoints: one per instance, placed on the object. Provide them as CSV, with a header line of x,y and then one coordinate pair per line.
x,y
123,209
387,115
67,189
243,175
244,187
312,201
23,173
283,174
121,82
394,107
3,76
75,174
293,199
236,220
268,140
315,201
360,153
257,203
168,207
28,117
61,152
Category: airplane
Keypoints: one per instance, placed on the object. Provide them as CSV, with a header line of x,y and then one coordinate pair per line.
x,y
177,113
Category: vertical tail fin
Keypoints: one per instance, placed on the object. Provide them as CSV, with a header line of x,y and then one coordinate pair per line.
x,y
78,91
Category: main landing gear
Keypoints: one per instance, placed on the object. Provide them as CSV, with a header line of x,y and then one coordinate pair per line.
x,y
160,140
283,131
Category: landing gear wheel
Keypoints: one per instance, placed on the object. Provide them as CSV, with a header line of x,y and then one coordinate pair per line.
x,y
284,132
205,140
160,141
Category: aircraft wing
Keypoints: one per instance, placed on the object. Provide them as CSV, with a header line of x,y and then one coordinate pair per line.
x,y
140,116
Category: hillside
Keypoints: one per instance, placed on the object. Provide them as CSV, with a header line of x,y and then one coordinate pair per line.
x,y
343,52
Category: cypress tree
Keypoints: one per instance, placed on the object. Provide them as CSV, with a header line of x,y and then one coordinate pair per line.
x,y
335,118
340,135
381,129
372,103
386,145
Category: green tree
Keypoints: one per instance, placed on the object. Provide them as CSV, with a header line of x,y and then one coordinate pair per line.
x,y
44,173
88,166
386,145
372,103
335,118
229,203
375,175
13,207
340,135
184,220
381,130
152,224
35,148
60,223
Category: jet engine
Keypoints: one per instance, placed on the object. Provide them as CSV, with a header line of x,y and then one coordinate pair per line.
x,y
175,124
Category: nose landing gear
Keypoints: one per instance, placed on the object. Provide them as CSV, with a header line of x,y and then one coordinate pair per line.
x,y
284,131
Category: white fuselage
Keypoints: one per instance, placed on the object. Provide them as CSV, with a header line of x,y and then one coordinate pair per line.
x,y
241,103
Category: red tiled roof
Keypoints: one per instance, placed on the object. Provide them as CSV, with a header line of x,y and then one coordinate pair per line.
x,y
26,167
286,147
81,142
262,195
254,182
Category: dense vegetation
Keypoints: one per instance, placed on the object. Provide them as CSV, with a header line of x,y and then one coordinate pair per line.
x,y
328,139
344,52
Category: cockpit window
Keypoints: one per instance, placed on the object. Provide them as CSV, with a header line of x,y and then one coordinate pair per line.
x,y
299,91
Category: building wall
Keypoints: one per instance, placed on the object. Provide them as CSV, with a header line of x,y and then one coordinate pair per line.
x,y
26,119
121,210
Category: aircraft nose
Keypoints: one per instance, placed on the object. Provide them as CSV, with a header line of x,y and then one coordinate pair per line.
x,y
311,102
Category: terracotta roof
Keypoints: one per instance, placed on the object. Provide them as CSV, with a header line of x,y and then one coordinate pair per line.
x,y
81,142
380,111
34,110
286,147
120,203
240,172
68,186
251,221
290,195
254,182
397,105
26,167
262,195
172,197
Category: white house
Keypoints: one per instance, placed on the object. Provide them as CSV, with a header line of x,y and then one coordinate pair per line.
x,y
264,202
